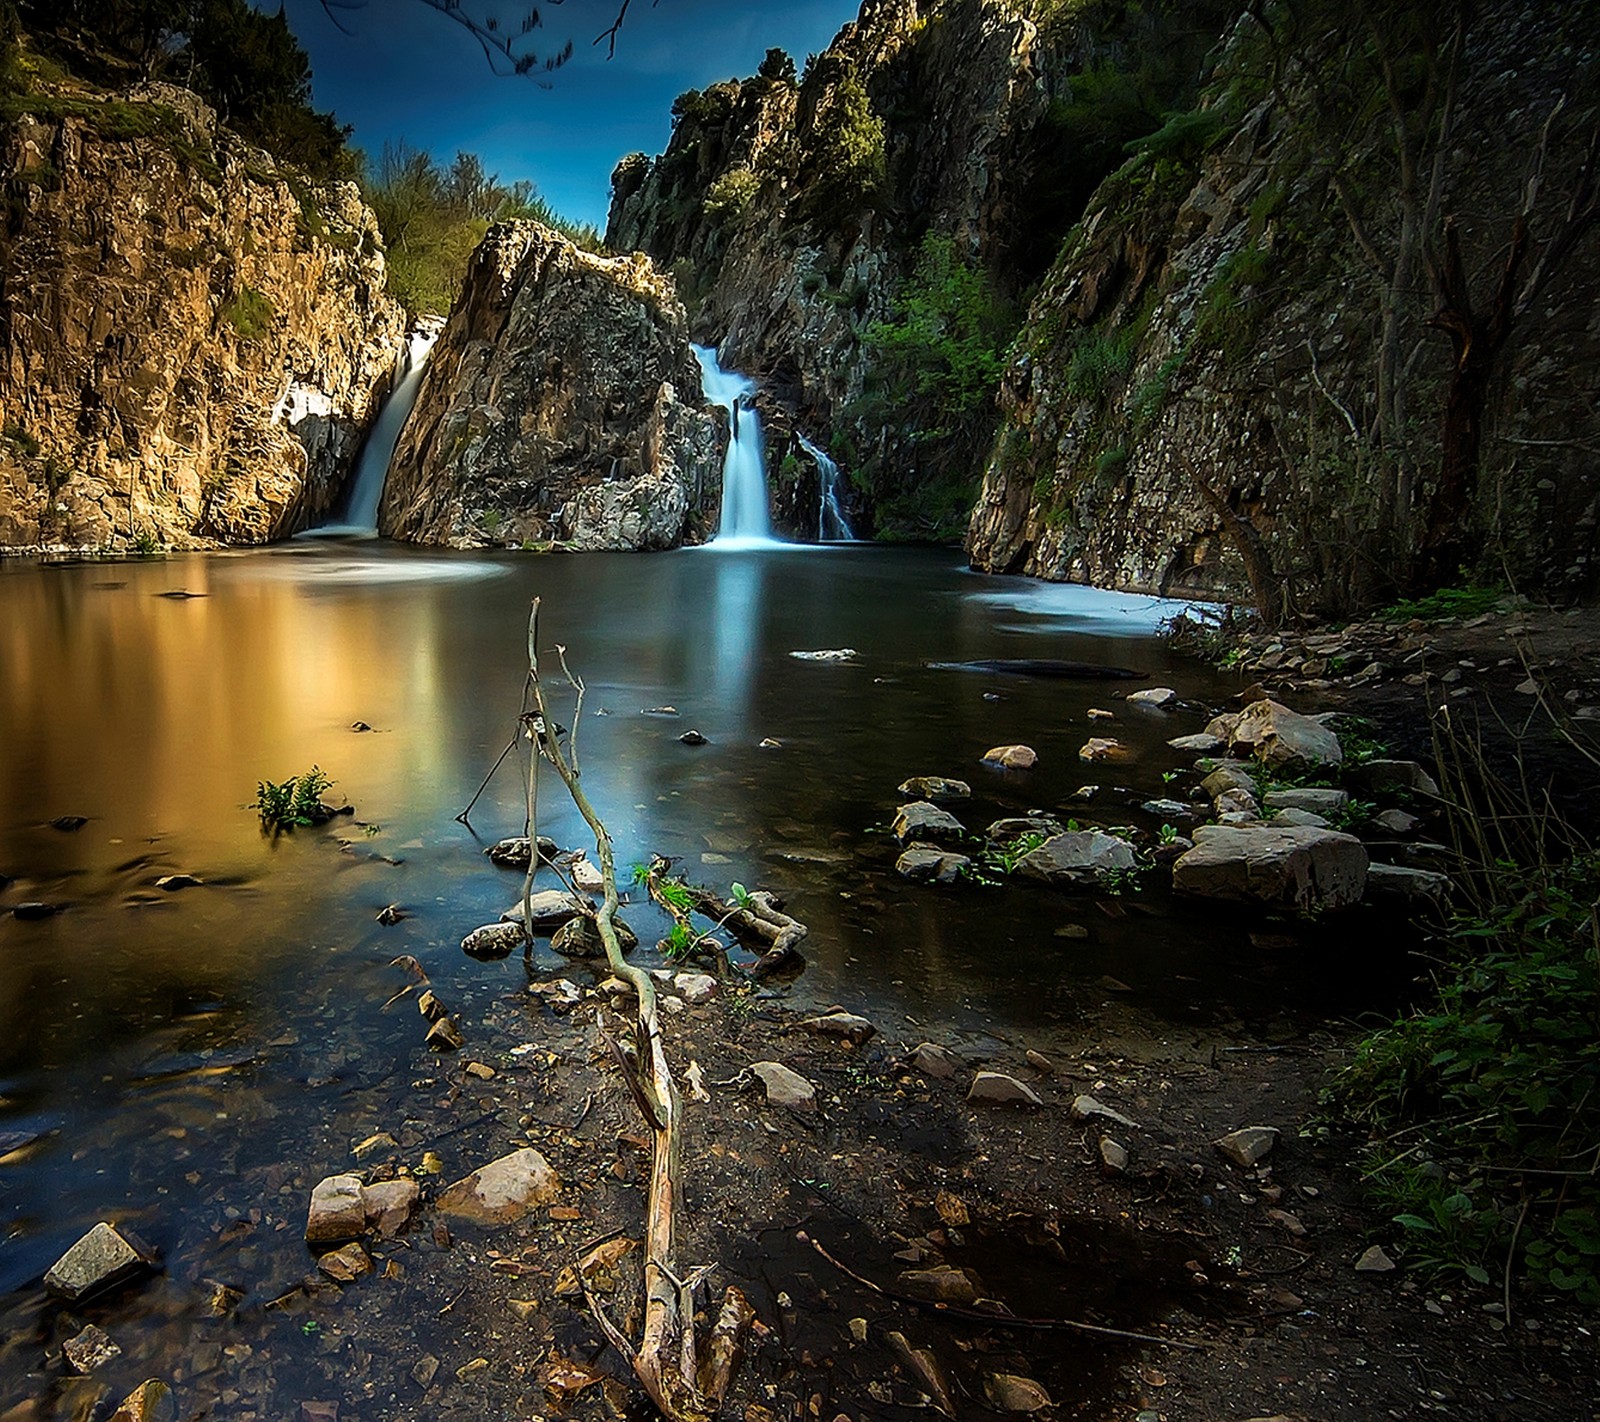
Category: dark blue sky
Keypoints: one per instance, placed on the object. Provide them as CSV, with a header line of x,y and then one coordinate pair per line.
x,y
409,73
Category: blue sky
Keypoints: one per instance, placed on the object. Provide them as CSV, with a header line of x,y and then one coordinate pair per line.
x,y
408,73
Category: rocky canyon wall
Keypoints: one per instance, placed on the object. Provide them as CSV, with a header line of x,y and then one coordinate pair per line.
x,y
191,338
561,404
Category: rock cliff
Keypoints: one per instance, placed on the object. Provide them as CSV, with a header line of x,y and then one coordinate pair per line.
x,y
561,403
191,340
1239,377
790,212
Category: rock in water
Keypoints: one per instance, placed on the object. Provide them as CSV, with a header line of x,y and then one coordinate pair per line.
x,y
1294,867
1077,857
504,1190
1281,738
935,788
924,864
1012,757
493,940
562,397
921,820
151,1401
103,1258
337,1212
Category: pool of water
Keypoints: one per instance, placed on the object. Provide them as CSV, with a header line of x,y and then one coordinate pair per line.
x,y
154,1045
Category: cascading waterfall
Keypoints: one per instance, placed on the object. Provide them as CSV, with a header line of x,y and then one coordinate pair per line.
x,y
830,512
746,522
372,464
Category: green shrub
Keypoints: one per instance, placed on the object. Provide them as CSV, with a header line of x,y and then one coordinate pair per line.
x,y
730,196
1467,601
297,801
249,313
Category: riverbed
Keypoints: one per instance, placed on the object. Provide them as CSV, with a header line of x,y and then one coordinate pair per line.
x,y
161,1045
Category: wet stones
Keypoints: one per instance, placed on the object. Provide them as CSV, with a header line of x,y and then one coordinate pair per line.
x,y
346,1264
927,864
1376,777
504,1190
935,1061
1315,800
1015,827
93,1348
580,938
1012,757
337,1211
1157,696
935,788
839,1023
102,1259
1290,866
1279,737
513,853
547,910
924,821
493,941
1102,748
389,1205
151,1401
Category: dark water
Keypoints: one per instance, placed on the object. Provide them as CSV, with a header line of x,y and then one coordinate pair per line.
x,y
161,1044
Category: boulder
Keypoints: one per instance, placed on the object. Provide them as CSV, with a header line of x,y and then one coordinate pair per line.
x,y
389,1205
1248,1146
995,1088
493,940
695,987
1377,777
1102,748
1012,757
935,788
1318,801
1158,696
1395,881
1078,857
785,1087
923,820
103,1258
550,908
1286,866
1229,775
1015,827
1281,738
504,1190
926,864
580,938
1300,819
338,1210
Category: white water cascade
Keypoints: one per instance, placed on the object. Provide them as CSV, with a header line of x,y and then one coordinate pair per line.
x,y
372,464
746,522
830,512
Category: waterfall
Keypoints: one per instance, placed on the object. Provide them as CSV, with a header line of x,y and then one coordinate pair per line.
x,y
830,512
372,464
745,520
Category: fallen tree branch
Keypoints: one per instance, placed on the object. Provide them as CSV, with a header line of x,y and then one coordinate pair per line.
x,y
665,1360
754,920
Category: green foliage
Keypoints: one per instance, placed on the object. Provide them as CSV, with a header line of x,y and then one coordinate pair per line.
x,y
21,441
146,543
678,944
843,168
1001,860
778,67
250,314
1229,314
946,341
295,802
1185,135
1498,1078
432,218
1465,601
730,196
1100,361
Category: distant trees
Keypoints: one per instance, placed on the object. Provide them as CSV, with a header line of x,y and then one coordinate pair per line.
x,y
432,218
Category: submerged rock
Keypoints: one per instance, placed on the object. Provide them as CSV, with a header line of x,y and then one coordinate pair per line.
x,y
92,1348
105,1257
935,788
547,910
579,937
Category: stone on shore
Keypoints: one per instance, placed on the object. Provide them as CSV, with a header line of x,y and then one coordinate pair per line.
x,y
1293,867
840,1024
346,1264
997,1089
1088,1108
1248,1146
935,1060
1201,743
1396,881
923,820
936,788
785,1087
1376,777
104,1257
338,1210
1010,1392
504,1190
1279,737
1078,857
1313,798
1301,819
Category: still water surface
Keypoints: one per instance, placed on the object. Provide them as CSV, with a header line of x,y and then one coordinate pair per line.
x,y
154,1041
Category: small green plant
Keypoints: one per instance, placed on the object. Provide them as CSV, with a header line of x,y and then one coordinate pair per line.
x,y
1124,881
293,802
249,313
1464,601
1168,834
678,944
146,543
741,895
1001,860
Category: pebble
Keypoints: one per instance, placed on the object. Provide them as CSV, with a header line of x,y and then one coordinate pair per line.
x,y
1374,1261
996,1088
935,1060
1085,1108
785,1087
90,1349
1248,1146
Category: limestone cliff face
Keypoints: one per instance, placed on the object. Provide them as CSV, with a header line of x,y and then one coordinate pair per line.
x,y
561,403
1201,370
789,211
190,340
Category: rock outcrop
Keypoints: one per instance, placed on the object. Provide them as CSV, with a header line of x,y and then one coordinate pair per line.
x,y
561,403
1200,385
193,338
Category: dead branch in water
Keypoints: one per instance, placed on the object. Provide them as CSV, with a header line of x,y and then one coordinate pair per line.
x,y
755,920
665,1360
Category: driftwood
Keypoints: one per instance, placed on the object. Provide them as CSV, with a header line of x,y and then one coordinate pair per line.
x,y
755,920
665,1359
